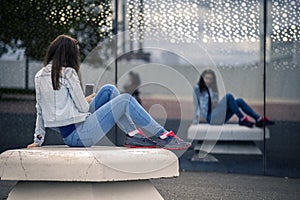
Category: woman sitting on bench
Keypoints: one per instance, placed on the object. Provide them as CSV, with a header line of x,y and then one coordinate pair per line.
x,y
83,121
208,109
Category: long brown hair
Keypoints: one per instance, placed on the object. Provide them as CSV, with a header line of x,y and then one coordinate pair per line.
x,y
63,52
202,85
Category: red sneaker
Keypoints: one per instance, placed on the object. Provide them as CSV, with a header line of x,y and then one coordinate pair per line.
x,y
172,142
246,122
264,121
139,140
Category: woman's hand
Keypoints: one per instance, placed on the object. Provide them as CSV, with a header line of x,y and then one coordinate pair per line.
x,y
32,145
90,97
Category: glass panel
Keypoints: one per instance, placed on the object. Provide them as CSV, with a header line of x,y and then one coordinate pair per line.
x,y
170,43
282,89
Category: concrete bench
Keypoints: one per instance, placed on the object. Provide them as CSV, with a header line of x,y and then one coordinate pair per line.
x,y
60,172
225,139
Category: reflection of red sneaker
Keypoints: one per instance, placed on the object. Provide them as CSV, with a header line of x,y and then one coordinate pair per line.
x,y
264,121
246,122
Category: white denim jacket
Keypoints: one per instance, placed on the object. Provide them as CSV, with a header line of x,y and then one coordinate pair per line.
x,y
56,108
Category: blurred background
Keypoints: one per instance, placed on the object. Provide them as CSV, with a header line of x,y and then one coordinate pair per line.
x,y
156,50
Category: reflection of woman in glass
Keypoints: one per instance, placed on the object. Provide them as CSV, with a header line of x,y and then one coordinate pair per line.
x,y
83,121
208,109
132,86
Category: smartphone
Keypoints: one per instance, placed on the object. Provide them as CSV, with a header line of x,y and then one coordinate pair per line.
x,y
89,89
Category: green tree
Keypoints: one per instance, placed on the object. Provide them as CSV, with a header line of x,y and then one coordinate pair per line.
x,y
33,24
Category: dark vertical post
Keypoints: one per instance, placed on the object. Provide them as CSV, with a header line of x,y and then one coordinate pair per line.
x,y
116,56
131,26
141,25
123,26
116,41
264,51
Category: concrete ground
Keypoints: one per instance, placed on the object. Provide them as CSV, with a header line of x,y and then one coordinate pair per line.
x,y
203,185
207,185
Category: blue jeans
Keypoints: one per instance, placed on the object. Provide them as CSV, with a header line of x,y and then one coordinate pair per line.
x,y
108,108
227,107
